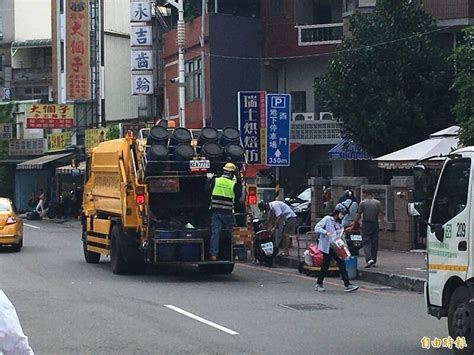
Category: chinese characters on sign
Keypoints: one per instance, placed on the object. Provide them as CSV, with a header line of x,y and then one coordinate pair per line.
x,y
142,60
251,117
142,84
77,50
49,116
6,131
58,141
141,40
94,137
141,36
7,94
140,11
20,147
278,129
446,343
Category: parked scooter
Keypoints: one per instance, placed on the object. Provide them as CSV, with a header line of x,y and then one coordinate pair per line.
x,y
264,249
353,238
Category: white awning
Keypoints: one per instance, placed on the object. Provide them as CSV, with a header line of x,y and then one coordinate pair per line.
x,y
439,143
41,162
68,169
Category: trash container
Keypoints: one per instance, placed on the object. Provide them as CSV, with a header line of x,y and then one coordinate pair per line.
x,y
351,267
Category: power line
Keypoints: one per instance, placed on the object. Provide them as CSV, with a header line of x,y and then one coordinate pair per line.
x,y
326,53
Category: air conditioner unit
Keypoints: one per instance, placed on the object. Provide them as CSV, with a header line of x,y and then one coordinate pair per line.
x,y
303,116
326,116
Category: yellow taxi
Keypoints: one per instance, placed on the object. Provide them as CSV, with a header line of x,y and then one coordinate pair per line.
x,y
11,226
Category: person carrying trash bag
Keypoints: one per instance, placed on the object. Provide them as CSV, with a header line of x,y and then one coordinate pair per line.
x,y
329,229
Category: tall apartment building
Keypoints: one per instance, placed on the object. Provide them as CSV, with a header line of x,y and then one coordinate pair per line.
x,y
25,49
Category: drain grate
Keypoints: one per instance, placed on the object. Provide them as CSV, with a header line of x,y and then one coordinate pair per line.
x,y
308,307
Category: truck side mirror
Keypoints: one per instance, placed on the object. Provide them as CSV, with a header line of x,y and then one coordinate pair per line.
x,y
412,211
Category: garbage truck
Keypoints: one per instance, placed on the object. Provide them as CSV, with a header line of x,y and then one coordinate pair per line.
x,y
146,199
444,199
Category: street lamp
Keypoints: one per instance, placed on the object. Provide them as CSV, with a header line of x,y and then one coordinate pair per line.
x,y
180,37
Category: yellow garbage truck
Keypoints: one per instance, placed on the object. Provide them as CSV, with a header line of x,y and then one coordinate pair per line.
x,y
146,199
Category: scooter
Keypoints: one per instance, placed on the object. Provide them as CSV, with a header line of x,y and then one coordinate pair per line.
x,y
264,249
353,238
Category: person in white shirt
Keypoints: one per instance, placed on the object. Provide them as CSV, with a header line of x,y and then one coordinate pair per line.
x,y
12,339
282,221
329,229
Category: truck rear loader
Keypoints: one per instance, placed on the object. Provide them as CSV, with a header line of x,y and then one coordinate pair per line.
x,y
146,200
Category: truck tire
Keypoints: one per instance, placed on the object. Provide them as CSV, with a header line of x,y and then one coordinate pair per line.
x,y
223,269
90,256
117,259
460,318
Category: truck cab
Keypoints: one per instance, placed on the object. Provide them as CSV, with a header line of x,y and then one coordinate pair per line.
x,y
446,207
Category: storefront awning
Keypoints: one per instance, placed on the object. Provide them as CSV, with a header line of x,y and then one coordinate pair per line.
x,y
32,43
41,162
69,170
347,150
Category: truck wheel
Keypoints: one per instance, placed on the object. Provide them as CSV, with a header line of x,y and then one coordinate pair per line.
x,y
117,260
138,267
91,257
460,318
223,269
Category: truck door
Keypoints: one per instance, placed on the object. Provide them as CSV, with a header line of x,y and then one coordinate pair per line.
x,y
448,248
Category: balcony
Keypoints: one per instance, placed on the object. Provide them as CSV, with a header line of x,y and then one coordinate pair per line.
x,y
32,74
314,35
317,132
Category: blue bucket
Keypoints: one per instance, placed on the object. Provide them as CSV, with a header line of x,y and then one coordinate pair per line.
x,y
188,251
351,267
165,252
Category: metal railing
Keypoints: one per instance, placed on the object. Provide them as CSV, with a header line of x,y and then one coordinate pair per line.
x,y
316,132
313,35
32,74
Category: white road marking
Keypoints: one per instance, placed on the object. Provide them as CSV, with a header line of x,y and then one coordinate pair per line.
x,y
31,226
202,320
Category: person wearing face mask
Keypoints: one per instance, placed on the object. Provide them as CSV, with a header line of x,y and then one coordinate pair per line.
x,y
329,228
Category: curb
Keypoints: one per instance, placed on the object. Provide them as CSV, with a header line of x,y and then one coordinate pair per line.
x,y
391,280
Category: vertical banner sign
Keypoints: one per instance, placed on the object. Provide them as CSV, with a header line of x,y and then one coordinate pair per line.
x,y
251,114
77,50
278,129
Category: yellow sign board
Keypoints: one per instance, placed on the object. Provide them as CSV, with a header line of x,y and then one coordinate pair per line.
x,y
58,141
94,137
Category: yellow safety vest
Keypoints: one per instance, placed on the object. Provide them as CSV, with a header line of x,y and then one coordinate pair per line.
x,y
223,194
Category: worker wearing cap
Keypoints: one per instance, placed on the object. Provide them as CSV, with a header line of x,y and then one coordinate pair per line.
x,y
225,191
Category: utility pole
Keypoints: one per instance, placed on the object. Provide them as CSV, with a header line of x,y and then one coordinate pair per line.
x,y
203,62
181,39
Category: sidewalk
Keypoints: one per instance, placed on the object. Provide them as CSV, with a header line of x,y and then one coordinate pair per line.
x,y
405,270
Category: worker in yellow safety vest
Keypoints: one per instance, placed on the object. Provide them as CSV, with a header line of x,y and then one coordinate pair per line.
x,y
225,191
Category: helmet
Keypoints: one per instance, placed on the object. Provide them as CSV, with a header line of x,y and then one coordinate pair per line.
x,y
262,205
340,208
230,168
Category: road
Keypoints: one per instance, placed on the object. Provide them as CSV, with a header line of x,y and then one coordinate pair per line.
x,y
69,307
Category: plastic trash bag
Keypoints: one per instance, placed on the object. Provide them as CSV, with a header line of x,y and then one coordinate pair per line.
x,y
307,258
316,254
12,339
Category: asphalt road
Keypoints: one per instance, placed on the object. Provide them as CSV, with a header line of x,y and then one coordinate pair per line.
x,y
69,307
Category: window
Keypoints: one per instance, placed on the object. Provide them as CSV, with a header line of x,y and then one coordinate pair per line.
x,y
5,206
193,80
451,198
276,7
298,101
367,3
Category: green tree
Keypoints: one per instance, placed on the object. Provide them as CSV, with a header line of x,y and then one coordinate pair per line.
x,y
464,87
389,83
113,132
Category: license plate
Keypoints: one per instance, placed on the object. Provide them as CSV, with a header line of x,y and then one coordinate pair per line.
x,y
356,238
199,164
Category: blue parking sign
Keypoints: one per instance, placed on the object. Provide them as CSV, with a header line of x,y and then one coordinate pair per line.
x,y
278,130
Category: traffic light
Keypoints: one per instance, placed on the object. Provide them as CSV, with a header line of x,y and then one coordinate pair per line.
x,y
252,195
